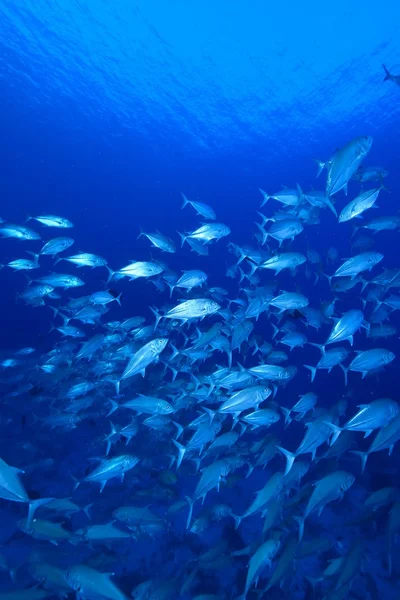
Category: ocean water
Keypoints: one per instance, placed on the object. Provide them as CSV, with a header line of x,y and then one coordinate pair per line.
x,y
108,112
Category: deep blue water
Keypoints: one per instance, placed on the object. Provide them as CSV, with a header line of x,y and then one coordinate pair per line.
x,y
108,111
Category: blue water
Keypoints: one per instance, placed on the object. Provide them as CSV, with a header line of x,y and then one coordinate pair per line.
x,y
108,111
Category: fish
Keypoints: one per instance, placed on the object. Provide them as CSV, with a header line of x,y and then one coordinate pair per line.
x,y
344,163
371,416
206,233
108,469
56,245
159,241
287,196
390,77
11,489
52,221
326,490
18,232
84,259
201,209
357,264
87,582
359,205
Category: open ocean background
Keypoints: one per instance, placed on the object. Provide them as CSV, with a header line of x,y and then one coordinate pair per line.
x,y
110,109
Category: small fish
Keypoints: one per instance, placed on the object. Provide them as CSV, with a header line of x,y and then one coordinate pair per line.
x,y
84,259
390,77
52,221
159,241
344,163
201,209
207,233
56,245
18,232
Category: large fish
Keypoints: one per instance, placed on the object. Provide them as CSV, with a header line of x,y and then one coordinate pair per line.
x,y
344,163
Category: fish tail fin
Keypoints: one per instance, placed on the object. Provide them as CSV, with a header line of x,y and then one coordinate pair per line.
x,y
114,407
237,520
157,315
383,187
57,260
181,453
363,456
179,429
185,200
34,254
320,164
209,412
345,371
300,523
141,233
336,431
253,269
265,196
183,238
111,273
388,75
76,481
118,298
263,233
276,331
190,514
34,505
286,412
86,509
28,218
300,192
313,371
330,206
320,346
290,458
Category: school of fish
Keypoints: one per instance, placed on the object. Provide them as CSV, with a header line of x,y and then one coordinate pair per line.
x,y
201,472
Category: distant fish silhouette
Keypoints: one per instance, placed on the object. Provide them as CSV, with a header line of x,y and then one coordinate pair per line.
x,y
389,76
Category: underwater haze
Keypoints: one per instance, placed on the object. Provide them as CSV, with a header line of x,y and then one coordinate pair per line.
x,y
199,308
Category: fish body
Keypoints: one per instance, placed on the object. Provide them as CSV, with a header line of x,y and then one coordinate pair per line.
x,y
198,308
207,233
285,229
85,259
286,260
190,280
345,327
110,468
244,399
359,205
201,209
90,583
370,360
260,559
289,301
138,269
357,264
18,232
145,356
344,163
160,241
56,245
52,221
61,280
287,196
